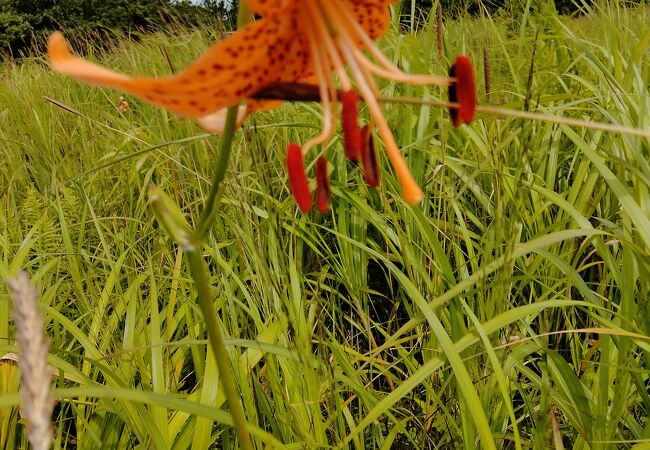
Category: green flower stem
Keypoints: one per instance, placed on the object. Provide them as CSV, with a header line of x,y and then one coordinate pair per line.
x,y
207,216
199,271
200,276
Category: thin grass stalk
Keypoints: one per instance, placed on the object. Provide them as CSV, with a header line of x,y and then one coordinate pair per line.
x,y
439,29
216,189
531,74
487,72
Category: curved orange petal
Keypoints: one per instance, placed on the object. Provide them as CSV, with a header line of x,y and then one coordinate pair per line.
x,y
263,53
269,7
215,122
372,15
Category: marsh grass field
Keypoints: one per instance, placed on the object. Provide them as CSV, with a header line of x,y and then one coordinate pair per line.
x,y
509,310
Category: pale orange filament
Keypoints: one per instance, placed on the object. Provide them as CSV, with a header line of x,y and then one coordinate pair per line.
x,y
390,70
325,84
324,34
400,76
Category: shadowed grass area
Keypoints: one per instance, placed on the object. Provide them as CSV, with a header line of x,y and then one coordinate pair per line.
x,y
511,303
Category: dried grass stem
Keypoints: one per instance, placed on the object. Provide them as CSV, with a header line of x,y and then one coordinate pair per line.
x,y
35,375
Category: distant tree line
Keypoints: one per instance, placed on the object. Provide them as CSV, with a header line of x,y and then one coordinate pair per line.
x,y
22,21
455,8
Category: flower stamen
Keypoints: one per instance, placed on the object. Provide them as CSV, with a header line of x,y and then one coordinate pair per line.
x,y
462,91
401,76
390,71
326,86
323,190
369,157
350,121
325,35
412,192
298,178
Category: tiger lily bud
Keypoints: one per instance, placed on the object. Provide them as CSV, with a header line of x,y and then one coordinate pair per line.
x,y
170,217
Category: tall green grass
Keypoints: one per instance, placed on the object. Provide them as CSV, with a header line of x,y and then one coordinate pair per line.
x,y
508,310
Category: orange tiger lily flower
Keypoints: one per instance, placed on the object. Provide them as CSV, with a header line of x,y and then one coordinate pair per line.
x,y
295,40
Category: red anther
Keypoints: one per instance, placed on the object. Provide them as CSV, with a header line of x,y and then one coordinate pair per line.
x,y
298,178
369,157
323,190
463,91
350,121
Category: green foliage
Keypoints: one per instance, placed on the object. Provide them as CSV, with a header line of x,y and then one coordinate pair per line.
x,y
21,20
13,27
511,304
456,8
